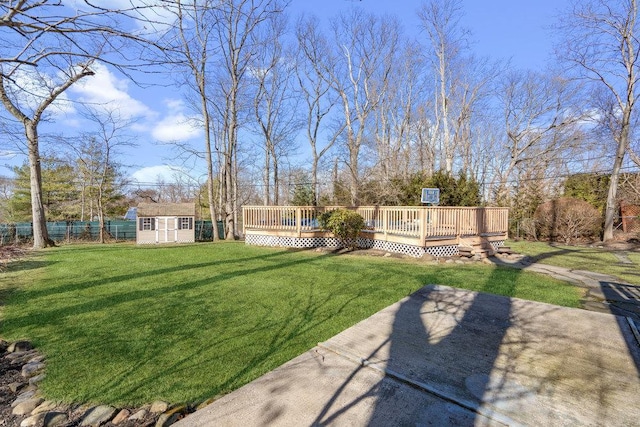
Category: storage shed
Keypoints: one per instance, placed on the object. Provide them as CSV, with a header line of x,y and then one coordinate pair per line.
x,y
165,223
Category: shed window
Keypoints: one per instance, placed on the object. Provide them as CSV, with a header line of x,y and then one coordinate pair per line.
x,y
147,224
185,223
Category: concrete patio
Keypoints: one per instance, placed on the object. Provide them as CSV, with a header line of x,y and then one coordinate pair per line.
x,y
444,356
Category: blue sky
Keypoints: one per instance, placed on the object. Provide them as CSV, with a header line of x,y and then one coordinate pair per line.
x,y
500,29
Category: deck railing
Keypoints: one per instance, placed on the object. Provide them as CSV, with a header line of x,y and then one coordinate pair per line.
x,y
419,222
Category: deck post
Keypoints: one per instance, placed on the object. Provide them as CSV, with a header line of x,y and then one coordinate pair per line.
x,y
214,223
422,221
299,221
385,219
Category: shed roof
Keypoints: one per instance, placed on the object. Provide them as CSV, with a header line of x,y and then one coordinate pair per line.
x,y
166,209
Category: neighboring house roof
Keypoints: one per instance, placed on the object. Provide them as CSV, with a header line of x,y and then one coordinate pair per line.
x,y
166,209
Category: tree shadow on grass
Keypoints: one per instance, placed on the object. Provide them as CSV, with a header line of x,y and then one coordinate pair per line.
x,y
8,284
200,360
299,320
152,274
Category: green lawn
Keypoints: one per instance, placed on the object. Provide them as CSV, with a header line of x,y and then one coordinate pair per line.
x,y
582,258
125,325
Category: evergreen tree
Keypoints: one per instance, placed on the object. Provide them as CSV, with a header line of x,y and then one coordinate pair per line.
x,y
59,195
589,187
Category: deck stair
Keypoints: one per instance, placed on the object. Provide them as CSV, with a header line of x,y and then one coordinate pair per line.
x,y
475,247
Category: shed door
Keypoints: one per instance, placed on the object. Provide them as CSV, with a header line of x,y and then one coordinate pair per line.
x,y
167,230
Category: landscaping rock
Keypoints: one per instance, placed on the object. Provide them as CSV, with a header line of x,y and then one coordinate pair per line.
x,y
36,359
98,415
21,357
140,415
33,420
55,419
16,387
121,417
46,406
159,406
24,396
3,346
32,369
25,407
171,416
19,346
37,379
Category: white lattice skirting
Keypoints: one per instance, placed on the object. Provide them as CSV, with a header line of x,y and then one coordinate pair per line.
x,y
497,244
332,242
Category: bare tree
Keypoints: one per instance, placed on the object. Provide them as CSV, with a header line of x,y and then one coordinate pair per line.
x,y
195,48
447,42
46,48
274,105
96,157
540,124
314,86
425,140
238,22
367,45
600,44
397,115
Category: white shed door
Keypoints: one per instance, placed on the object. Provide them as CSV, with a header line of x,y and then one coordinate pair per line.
x,y
167,229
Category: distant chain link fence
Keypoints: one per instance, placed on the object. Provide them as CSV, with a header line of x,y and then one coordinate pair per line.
x,y
89,231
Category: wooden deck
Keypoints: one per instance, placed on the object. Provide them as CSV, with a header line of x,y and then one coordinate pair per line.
x,y
398,229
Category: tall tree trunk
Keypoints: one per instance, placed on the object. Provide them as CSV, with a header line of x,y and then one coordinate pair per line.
x,y
40,233
210,182
235,195
353,169
611,209
276,178
314,179
266,194
228,203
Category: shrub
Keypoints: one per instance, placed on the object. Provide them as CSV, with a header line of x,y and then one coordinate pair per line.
x,y
323,219
345,225
567,219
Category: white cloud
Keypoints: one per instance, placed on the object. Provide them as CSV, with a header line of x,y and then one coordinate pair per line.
x,y
151,174
104,88
8,154
176,125
31,88
151,16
